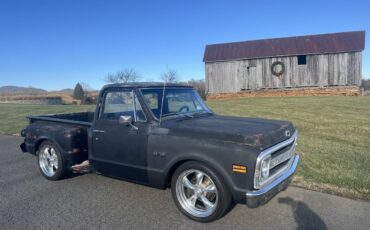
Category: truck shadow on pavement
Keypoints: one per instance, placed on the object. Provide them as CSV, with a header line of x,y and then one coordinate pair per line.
x,y
304,216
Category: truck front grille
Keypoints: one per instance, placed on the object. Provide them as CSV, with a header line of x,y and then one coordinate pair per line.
x,y
282,156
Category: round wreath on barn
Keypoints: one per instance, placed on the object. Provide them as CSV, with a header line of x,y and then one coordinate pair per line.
x,y
277,68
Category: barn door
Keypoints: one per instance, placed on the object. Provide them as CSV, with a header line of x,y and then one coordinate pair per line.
x,y
251,78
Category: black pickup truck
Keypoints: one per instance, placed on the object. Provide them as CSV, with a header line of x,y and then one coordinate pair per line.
x,y
166,136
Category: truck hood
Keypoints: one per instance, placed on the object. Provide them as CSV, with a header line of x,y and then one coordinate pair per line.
x,y
254,132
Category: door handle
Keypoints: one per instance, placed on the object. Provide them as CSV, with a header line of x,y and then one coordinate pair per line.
x,y
98,131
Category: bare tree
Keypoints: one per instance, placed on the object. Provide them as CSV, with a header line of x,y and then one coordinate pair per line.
x,y
200,86
170,75
123,76
86,87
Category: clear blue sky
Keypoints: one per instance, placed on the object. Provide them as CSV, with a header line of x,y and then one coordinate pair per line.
x,y
53,44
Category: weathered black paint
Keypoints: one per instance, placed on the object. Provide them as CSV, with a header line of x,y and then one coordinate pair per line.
x,y
150,154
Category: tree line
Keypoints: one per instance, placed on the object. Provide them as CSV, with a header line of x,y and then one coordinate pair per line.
x,y
169,76
131,75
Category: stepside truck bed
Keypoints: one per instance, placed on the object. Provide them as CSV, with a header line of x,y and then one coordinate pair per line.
x,y
68,131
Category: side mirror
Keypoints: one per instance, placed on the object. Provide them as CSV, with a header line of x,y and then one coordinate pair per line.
x,y
127,120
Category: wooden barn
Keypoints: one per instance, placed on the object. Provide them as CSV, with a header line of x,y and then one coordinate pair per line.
x,y
314,63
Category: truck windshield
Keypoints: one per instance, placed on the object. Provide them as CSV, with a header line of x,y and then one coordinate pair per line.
x,y
176,102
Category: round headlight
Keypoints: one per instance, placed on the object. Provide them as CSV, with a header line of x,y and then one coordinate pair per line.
x,y
265,167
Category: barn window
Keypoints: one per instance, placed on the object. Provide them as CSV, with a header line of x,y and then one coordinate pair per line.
x,y
301,59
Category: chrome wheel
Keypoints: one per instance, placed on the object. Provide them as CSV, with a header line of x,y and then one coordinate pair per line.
x,y
196,193
48,161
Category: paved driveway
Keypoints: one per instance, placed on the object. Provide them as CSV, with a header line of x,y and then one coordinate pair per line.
x,y
28,201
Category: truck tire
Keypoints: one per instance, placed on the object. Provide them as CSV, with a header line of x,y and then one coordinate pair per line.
x,y
199,192
51,162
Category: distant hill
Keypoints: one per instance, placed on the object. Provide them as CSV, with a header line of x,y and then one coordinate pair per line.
x,y
20,90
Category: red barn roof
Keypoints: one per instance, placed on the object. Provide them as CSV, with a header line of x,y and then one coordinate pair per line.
x,y
311,44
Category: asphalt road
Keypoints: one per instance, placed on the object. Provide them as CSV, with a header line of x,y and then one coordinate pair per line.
x,y
28,201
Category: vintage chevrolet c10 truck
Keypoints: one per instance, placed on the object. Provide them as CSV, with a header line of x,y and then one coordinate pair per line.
x,y
165,136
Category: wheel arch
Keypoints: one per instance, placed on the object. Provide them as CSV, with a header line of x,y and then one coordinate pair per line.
x,y
42,139
172,170
216,167
38,144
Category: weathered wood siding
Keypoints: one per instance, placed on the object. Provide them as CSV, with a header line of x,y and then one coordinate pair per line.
x,y
320,70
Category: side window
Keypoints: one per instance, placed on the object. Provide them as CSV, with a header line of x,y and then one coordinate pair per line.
x,y
121,103
152,100
181,102
117,104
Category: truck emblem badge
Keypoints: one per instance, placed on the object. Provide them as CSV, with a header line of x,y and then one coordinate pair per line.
x,y
287,133
159,154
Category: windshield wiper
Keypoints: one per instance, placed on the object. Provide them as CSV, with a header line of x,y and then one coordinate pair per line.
x,y
201,113
177,114
169,114
187,115
193,115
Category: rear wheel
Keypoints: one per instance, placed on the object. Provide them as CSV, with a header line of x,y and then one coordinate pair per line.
x,y
199,192
51,163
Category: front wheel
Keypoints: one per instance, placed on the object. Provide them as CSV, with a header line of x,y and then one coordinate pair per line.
x,y
51,163
199,192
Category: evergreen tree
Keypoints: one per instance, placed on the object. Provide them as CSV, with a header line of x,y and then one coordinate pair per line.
x,y
78,92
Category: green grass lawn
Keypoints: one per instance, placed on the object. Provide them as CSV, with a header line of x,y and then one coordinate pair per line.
x,y
334,135
334,138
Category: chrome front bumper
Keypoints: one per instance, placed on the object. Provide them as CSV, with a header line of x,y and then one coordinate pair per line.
x,y
259,197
